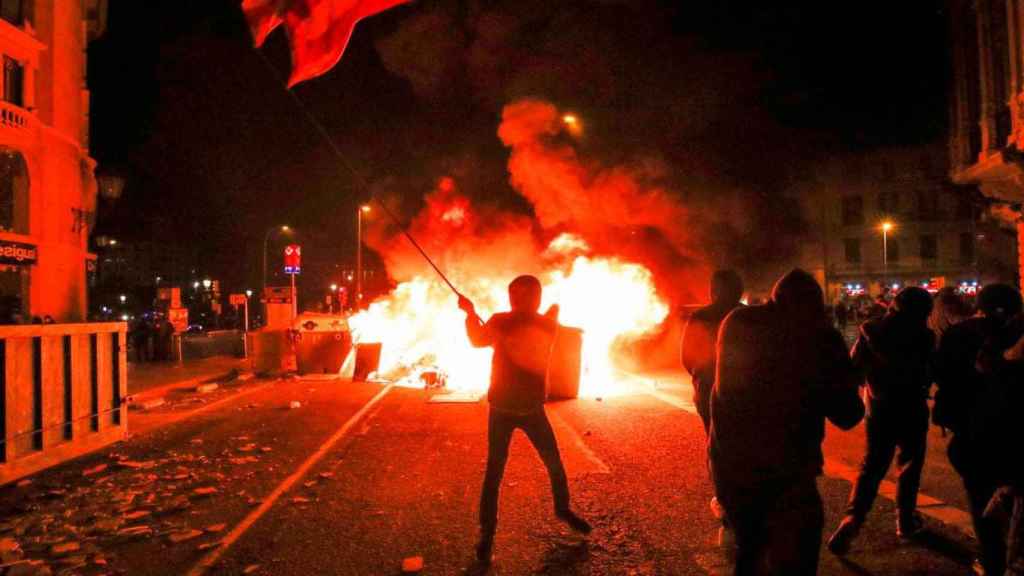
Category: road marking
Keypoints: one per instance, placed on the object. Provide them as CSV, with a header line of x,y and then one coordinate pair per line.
x,y
214,555
927,505
674,401
577,440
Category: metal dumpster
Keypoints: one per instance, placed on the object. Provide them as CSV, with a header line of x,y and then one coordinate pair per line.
x,y
322,341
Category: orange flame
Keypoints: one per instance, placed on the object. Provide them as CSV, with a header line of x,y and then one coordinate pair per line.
x,y
422,329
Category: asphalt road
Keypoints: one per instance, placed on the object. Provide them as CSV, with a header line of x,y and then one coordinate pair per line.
x,y
358,478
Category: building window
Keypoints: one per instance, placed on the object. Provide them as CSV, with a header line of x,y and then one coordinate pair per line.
x,y
964,207
892,250
929,247
13,11
13,192
14,81
851,246
887,202
853,211
966,247
927,206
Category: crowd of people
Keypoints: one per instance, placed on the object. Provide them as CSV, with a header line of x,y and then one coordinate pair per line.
x,y
766,378
150,339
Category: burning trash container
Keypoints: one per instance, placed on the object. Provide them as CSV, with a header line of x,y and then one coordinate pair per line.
x,y
322,342
563,377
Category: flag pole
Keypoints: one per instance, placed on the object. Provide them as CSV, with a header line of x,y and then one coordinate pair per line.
x,y
348,166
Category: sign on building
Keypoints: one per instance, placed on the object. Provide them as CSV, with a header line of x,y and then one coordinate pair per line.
x,y
17,253
292,259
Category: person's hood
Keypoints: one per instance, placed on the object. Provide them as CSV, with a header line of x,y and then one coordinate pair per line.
x,y
799,294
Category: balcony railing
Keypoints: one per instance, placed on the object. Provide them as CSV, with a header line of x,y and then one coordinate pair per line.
x,y
13,116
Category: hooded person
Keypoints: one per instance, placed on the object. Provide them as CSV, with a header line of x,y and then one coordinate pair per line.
x,y
894,353
976,399
782,370
522,340
697,354
701,334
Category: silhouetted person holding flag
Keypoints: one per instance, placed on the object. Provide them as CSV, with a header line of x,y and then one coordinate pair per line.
x,y
782,370
894,353
522,341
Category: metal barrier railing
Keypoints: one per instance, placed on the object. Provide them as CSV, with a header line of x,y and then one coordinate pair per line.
x,y
62,390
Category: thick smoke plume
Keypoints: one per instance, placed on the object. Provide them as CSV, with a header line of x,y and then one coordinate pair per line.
x,y
609,211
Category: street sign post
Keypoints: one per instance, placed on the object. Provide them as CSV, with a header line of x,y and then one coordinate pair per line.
x,y
292,266
242,301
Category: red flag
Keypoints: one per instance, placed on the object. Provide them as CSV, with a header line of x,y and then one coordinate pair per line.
x,y
318,30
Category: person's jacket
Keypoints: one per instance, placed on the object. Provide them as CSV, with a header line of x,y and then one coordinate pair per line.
x,y
959,383
697,352
522,347
895,357
778,378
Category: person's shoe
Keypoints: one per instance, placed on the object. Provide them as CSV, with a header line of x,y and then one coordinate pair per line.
x,y
841,540
908,527
726,538
716,508
574,521
484,549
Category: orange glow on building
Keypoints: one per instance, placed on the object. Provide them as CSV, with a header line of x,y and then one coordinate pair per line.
x,y
47,182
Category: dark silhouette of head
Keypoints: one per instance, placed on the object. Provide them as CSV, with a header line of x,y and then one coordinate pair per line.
x,y
524,294
799,297
913,303
999,301
726,287
948,301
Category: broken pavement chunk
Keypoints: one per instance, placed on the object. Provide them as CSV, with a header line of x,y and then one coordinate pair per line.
x,y
62,548
183,536
94,470
412,565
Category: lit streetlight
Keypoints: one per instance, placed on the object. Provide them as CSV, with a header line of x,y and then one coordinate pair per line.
x,y
886,227
364,209
572,124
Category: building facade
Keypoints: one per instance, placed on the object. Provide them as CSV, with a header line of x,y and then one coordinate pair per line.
x,y
986,144
892,218
47,183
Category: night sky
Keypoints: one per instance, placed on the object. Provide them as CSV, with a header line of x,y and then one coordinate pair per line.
x,y
727,96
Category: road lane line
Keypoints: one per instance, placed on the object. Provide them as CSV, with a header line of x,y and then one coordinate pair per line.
x,y
676,401
927,505
577,440
214,555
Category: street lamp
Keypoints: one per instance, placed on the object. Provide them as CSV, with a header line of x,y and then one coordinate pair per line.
x,y
886,227
365,208
266,239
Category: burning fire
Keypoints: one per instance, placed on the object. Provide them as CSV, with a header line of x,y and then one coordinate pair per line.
x,y
422,329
